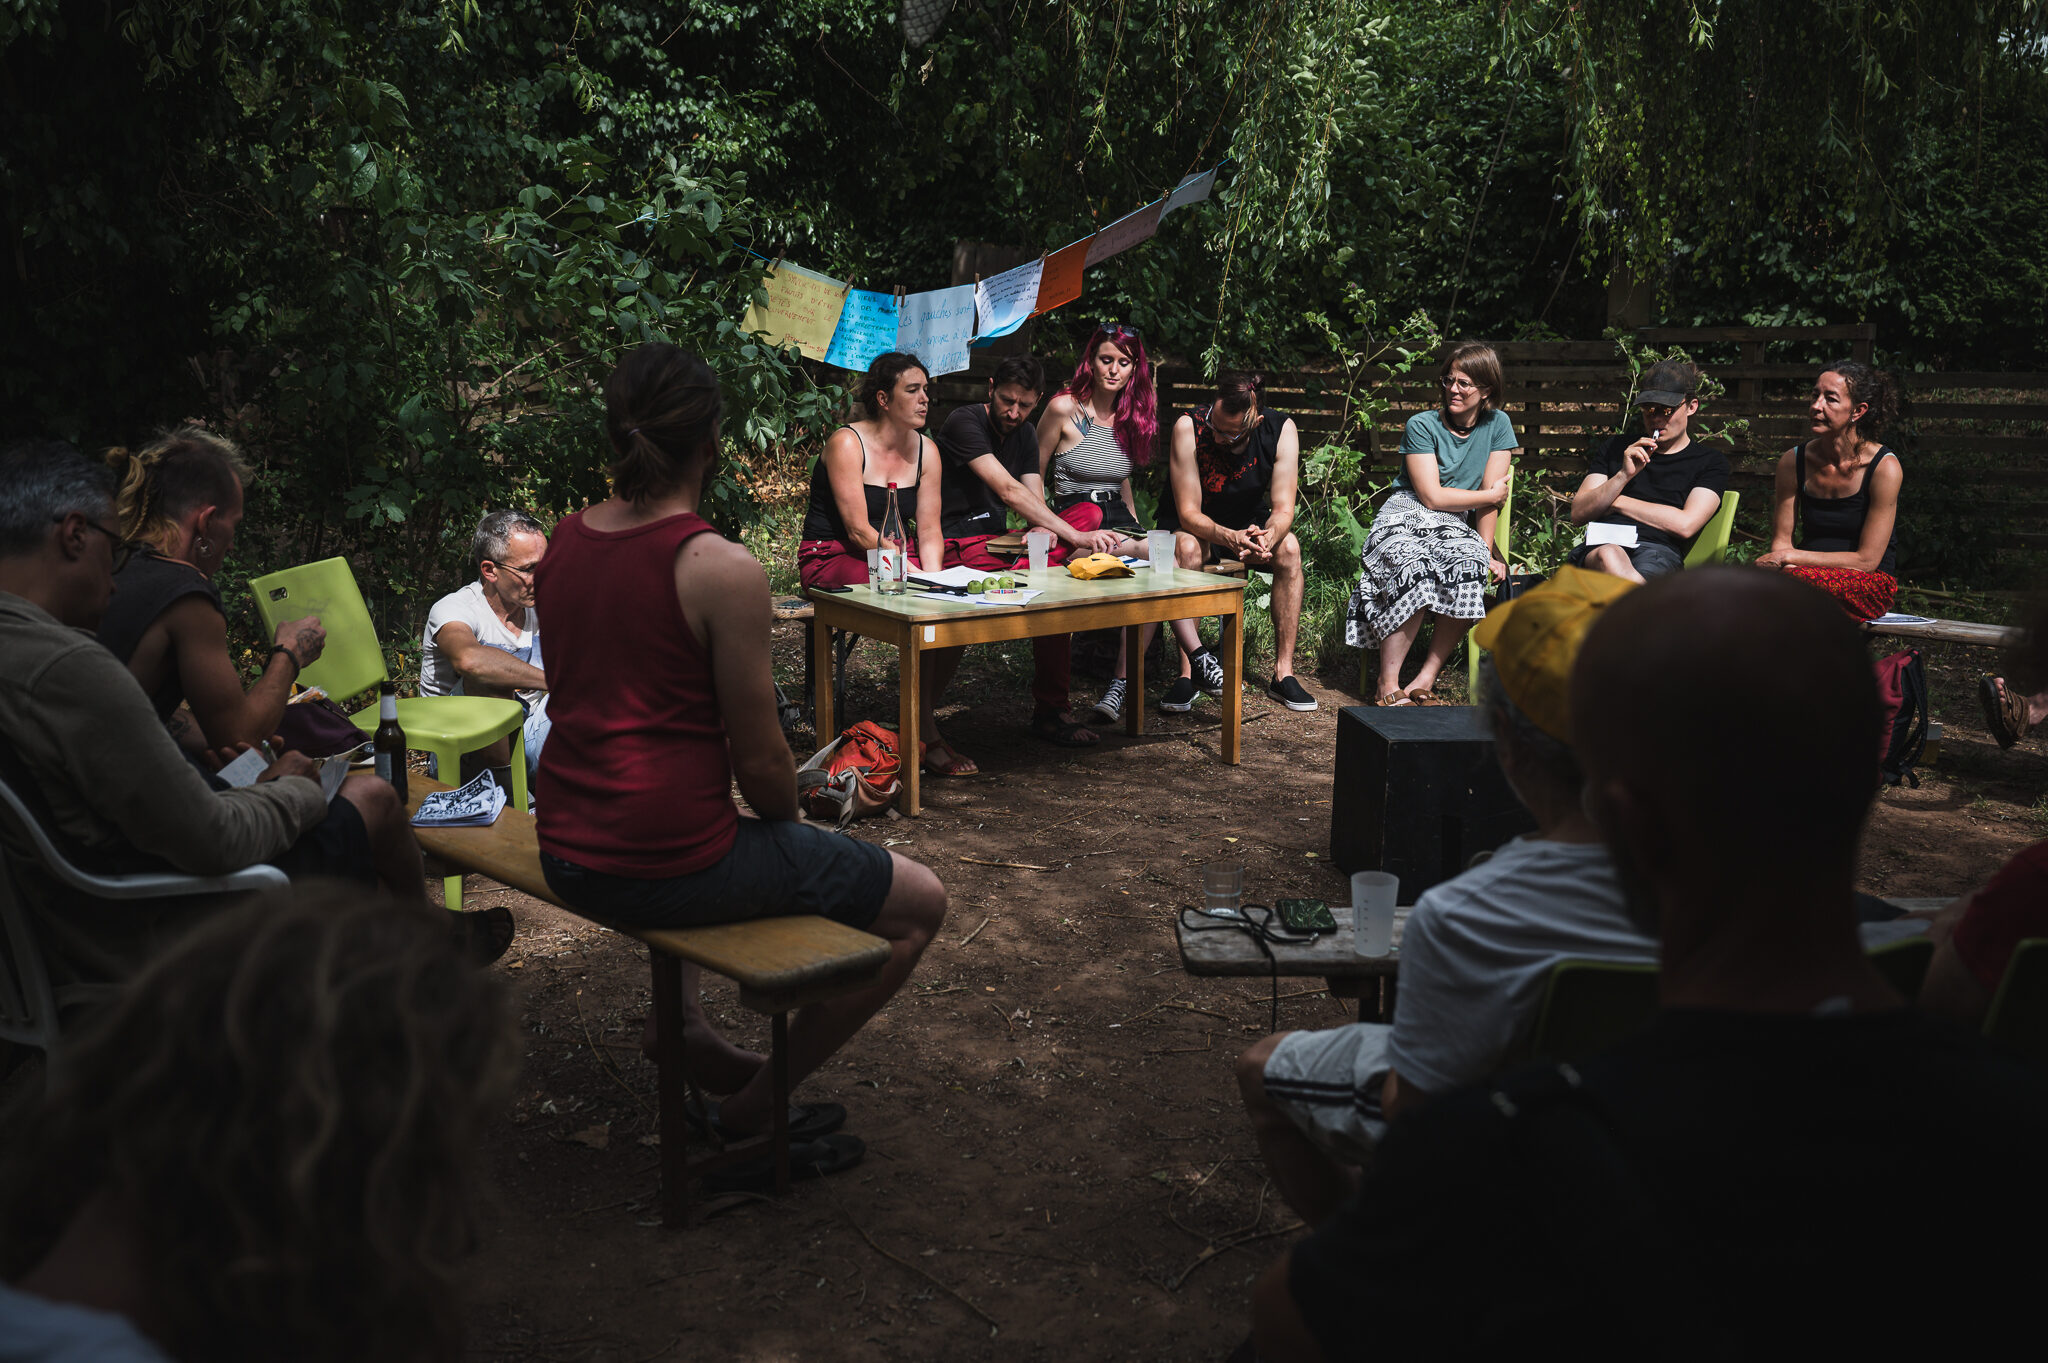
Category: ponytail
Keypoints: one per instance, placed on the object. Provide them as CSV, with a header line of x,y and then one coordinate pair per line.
x,y
1238,389
662,411
179,470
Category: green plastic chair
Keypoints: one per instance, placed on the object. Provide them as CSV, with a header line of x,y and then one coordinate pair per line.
x,y
2018,1016
353,662
1904,964
1712,544
1589,1005
1500,544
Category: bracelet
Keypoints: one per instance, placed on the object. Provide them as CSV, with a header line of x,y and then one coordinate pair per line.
x,y
297,666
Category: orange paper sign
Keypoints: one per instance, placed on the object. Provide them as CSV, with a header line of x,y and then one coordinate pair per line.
x,y
1060,281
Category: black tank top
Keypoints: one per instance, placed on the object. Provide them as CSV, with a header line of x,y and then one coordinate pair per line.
x,y
148,585
822,520
1834,525
1236,484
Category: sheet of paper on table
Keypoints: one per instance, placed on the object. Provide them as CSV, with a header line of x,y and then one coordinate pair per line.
x,y
1894,618
953,577
1600,532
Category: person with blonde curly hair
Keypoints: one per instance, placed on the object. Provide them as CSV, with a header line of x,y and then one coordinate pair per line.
x,y
179,505
266,1149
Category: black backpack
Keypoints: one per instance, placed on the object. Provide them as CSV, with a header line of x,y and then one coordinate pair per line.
x,y
1902,690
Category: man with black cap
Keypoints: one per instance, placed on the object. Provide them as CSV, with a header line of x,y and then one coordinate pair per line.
x,y
1658,489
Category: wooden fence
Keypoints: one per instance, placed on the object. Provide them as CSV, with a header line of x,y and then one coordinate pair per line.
x,y
1988,429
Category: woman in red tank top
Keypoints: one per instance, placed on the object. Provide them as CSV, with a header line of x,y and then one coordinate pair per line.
x,y
662,700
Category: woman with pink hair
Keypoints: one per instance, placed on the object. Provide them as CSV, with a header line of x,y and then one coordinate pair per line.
x,y
1094,432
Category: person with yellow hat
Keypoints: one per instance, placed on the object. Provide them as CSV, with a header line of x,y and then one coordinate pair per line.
x,y
1477,949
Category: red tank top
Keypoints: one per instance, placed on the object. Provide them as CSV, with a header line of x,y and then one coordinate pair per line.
x,y
635,779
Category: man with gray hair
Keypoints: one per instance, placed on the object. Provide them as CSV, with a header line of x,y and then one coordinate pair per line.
x,y
1477,949
79,737
484,639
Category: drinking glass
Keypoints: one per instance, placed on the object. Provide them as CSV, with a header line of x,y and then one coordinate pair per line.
x,y
1159,547
1222,889
1372,912
1038,543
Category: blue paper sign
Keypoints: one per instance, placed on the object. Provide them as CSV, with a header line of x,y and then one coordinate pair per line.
x,y
937,326
867,328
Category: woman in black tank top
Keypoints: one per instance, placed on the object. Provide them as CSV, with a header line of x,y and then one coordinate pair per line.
x,y
1840,493
850,492
181,500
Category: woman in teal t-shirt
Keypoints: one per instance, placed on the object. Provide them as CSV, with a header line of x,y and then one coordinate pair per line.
x,y
1430,550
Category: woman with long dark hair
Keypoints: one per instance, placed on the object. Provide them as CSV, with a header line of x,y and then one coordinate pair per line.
x,y
850,493
1839,493
1430,551
662,700
1094,432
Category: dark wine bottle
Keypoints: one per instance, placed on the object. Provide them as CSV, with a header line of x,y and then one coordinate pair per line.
x,y
388,743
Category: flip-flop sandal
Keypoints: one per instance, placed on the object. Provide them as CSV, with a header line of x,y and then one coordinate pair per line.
x,y
1064,733
953,768
1392,699
807,1122
2005,714
486,934
833,1154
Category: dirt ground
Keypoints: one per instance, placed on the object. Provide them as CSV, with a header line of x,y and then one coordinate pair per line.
x,y
1057,1165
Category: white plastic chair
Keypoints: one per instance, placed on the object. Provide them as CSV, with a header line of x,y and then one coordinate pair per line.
x,y
31,1009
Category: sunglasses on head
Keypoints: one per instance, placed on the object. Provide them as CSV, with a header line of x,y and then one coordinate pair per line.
x,y
1117,330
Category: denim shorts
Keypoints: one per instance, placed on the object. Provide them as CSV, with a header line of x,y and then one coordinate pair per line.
x,y
775,868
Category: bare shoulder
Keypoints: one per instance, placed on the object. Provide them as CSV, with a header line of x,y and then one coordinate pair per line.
x,y
715,556
1062,405
1889,472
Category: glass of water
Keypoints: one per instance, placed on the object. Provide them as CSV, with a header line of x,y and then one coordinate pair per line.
x,y
1223,889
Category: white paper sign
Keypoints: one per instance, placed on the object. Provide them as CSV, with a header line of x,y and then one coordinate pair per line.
x,y
1602,532
1003,302
936,327
1188,192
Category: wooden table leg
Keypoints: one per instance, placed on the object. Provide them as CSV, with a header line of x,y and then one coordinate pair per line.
x,y
910,668
1233,681
778,1062
824,723
1134,679
672,1089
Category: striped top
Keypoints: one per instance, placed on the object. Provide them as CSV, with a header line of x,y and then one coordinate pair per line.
x,y
1097,464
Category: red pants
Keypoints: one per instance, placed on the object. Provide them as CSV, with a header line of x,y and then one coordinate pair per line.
x,y
835,563
1052,676
1865,596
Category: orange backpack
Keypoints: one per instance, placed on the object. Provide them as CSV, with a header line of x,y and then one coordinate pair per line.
x,y
859,773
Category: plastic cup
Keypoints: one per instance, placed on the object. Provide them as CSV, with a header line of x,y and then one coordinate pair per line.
x,y
1372,913
1159,549
1223,889
875,567
1038,544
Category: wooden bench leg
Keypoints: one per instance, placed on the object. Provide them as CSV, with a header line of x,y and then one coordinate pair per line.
x,y
778,1062
673,1095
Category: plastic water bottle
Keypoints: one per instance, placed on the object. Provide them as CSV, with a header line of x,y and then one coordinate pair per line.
x,y
891,567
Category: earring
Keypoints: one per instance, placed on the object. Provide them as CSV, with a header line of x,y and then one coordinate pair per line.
x,y
203,545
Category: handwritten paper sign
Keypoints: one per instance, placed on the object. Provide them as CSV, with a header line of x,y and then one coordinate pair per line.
x,y
1060,281
802,309
1003,302
1193,190
936,327
867,328
1125,232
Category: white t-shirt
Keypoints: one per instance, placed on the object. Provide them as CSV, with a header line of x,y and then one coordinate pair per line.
x,y
469,606
1478,949
36,1330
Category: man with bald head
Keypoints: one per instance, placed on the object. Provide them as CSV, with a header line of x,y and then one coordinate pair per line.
x,y
1784,1137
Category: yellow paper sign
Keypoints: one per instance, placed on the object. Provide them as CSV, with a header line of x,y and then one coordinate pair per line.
x,y
803,308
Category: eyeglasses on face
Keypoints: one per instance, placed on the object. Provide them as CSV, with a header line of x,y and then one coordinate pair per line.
x,y
1458,383
524,570
123,550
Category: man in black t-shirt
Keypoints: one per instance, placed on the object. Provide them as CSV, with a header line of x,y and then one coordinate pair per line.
x,y
1663,484
1786,1142
990,454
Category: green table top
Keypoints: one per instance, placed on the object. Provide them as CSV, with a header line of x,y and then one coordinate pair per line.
x,y
1056,585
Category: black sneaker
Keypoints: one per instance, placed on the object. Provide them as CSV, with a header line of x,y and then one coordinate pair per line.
x,y
1291,693
1179,697
1208,672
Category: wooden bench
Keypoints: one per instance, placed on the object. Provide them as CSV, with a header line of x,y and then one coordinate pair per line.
x,y
778,963
1950,632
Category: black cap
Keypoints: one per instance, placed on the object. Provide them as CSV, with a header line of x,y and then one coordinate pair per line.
x,y
1670,383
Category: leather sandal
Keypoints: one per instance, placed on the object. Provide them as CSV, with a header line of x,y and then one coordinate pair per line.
x,y
1393,698
952,763
2005,714
1422,695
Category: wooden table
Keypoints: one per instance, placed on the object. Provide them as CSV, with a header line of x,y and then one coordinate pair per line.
x,y
916,621
1206,951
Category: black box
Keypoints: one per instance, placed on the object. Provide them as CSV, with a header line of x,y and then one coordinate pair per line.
x,y
1418,793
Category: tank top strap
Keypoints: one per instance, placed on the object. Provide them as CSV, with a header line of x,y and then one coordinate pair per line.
x,y
849,426
1884,452
1799,465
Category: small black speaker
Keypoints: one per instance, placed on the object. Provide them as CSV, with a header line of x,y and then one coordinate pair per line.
x,y
1418,793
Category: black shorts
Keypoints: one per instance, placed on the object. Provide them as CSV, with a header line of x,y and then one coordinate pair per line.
x,y
775,868
337,846
1115,515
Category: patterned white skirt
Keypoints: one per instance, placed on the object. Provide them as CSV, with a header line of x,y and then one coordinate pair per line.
x,y
1415,559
